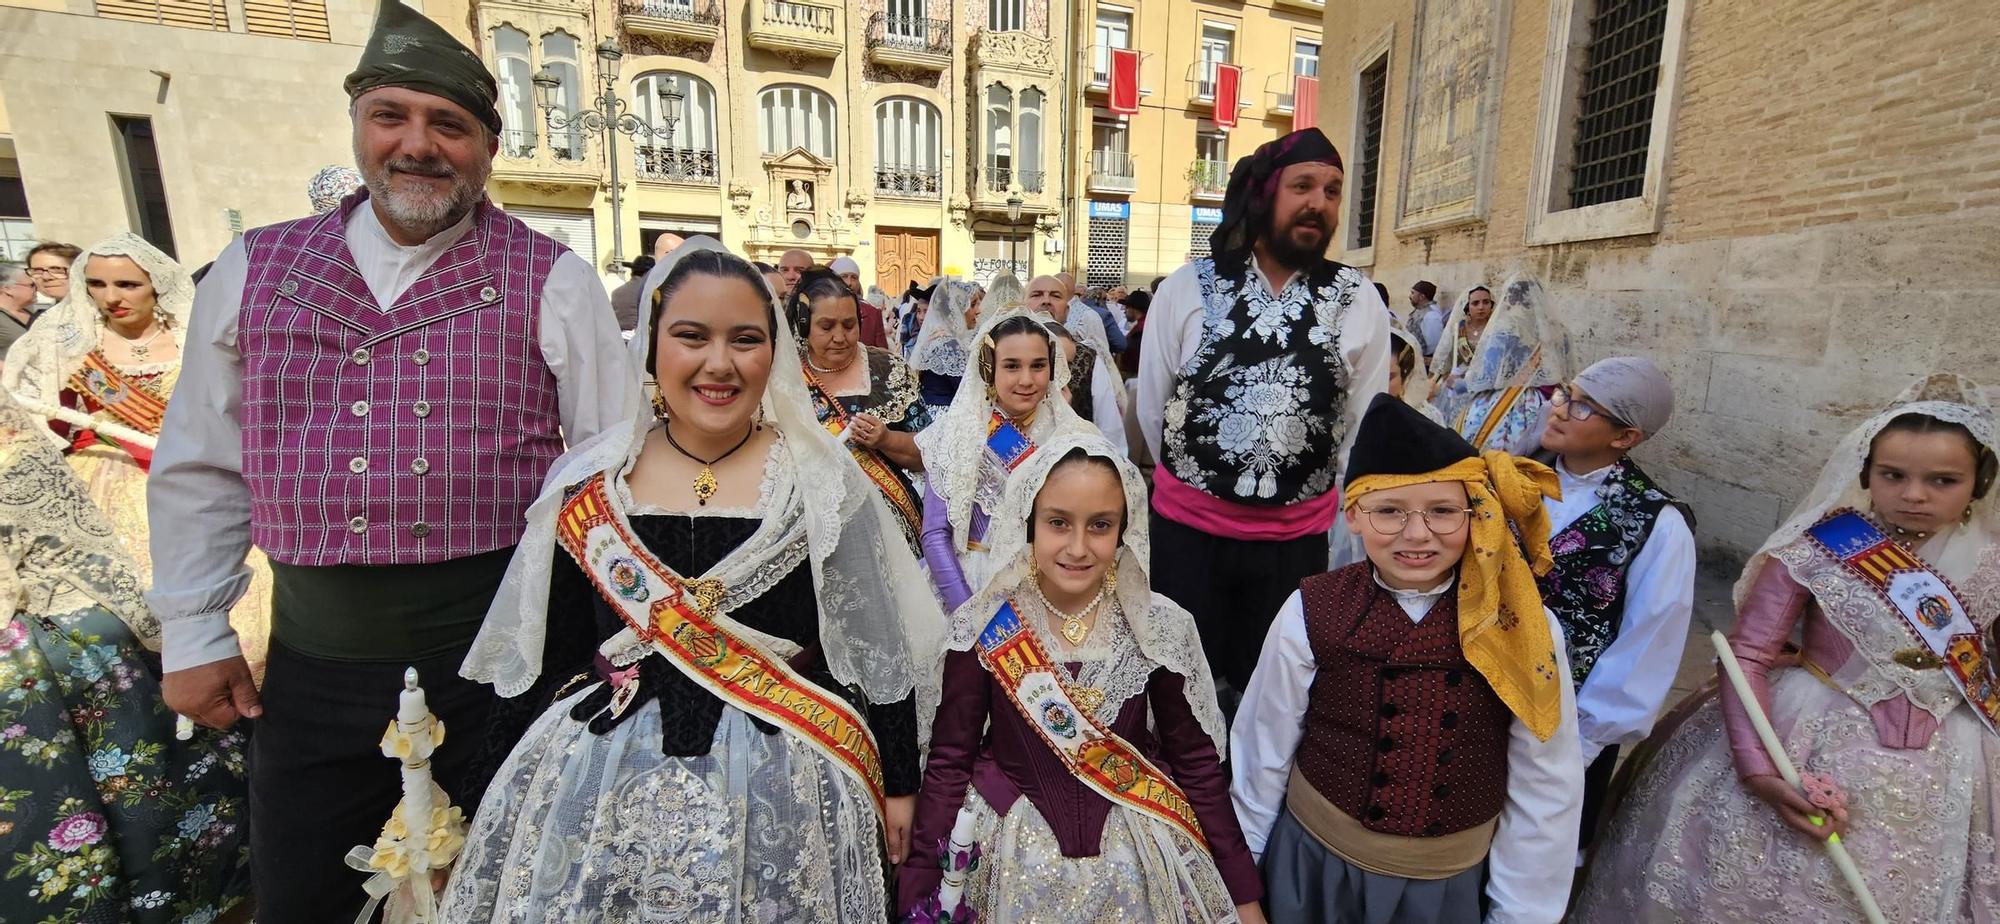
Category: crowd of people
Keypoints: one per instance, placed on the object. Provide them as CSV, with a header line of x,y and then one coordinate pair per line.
x,y
749,593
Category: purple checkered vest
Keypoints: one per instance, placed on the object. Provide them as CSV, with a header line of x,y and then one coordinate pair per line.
x,y
411,436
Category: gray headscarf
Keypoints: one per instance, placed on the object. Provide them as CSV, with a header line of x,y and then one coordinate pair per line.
x,y
1632,389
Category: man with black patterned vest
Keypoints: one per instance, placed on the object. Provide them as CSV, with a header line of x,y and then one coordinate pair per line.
x,y
1408,743
373,397
1258,362
1623,581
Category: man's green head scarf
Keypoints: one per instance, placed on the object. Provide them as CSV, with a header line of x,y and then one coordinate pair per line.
x,y
408,50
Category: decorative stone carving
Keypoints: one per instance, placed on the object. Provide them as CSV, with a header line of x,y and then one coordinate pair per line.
x,y
1018,51
961,212
1453,110
739,198
799,198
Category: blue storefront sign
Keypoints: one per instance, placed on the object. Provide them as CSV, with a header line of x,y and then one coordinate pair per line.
x,y
1114,210
1207,215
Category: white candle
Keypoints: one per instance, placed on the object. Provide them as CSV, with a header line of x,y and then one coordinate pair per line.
x,y
412,709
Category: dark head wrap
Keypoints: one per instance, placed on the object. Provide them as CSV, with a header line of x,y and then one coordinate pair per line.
x,y
408,50
1253,184
1395,439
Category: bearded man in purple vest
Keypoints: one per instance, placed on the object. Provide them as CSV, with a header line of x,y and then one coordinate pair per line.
x,y
372,396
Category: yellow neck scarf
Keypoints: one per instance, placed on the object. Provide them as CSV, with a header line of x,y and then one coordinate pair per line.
x,y
1501,623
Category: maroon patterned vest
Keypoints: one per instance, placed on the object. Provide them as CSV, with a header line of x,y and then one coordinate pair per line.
x,y
1400,733
411,436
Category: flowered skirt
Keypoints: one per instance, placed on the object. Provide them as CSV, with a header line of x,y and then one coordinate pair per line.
x,y
1144,870
608,828
104,816
1690,844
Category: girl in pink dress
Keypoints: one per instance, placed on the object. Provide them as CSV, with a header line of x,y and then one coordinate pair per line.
x,y
1711,833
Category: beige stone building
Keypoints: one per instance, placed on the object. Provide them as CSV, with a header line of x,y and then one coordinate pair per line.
x,y
184,120
1149,185
1793,205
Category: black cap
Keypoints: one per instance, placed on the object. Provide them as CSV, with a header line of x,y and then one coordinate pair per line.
x,y
1393,438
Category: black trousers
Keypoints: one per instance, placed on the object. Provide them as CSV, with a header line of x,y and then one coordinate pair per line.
x,y
1233,587
319,785
1596,779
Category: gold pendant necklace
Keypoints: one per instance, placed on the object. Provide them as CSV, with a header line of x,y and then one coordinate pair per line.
x,y
705,484
1073,627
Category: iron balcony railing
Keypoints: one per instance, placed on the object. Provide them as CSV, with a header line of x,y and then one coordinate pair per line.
x,y
910,33
1001,179
677,165
704,12
1112,164
909,182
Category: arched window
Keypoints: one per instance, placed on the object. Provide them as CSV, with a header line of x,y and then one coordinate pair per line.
x,y
559,56
1029,158
796,117
519,118
909,135
999,137
681,149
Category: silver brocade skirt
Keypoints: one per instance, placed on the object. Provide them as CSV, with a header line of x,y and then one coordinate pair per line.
x,y
1144,871
606,828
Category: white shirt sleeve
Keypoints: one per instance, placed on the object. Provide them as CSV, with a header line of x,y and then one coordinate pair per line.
x,y
1272,717
1104,408
196,485
1533,860
1173,333
597,388
1364,343
1629,683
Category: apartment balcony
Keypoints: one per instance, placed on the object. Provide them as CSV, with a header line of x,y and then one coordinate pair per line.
x,y
797,29
1112,172
676,166
1315,7
1021,52
696,20
1201,87
909,42
898,182
995,185
1208,180
547,159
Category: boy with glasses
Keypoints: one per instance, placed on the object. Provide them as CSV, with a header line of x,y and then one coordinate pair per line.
x,y
1408,743
1623,581
49,264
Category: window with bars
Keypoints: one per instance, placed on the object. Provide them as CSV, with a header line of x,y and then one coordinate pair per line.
x,y
1113,30
1614,115
1105,265
189,14
300,19
1374,84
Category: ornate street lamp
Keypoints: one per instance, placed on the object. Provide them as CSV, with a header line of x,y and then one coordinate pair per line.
x,y
608,116
1014,203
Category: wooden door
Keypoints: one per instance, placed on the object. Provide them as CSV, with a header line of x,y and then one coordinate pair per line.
x,y
903,256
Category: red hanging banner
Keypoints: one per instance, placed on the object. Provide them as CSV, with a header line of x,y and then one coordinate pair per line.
x,y
1228,90
1124,81
1305,102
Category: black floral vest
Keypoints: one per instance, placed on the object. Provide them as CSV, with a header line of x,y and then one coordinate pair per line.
x,y
1258,414
1586,588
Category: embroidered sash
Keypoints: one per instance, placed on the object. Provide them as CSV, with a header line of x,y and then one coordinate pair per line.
x,y
103,388
872,463
1009,444
1101,759
677,617
1505,405
1929,605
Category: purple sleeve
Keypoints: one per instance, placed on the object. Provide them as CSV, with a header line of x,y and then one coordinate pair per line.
x,y
940,553
1198,770
955,738
1770,610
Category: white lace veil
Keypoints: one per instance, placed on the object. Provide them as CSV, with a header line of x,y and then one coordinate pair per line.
x,y
942,342
1521,322
957,464
1006,291
1417,384
1164,631
880,626
39,365
1447,347
1955,551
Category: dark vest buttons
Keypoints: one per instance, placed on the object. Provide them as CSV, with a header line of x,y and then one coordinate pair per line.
x,y
1433,829
1385,744
1389,710
1453,676
1448,720
1389,675
1380,779
1444,756
1441,790
1377,813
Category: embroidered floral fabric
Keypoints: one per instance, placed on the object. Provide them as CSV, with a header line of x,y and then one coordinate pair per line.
x,y
1256,415
1586,589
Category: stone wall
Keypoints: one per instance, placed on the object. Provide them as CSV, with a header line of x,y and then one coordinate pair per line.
x,y
1830,229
